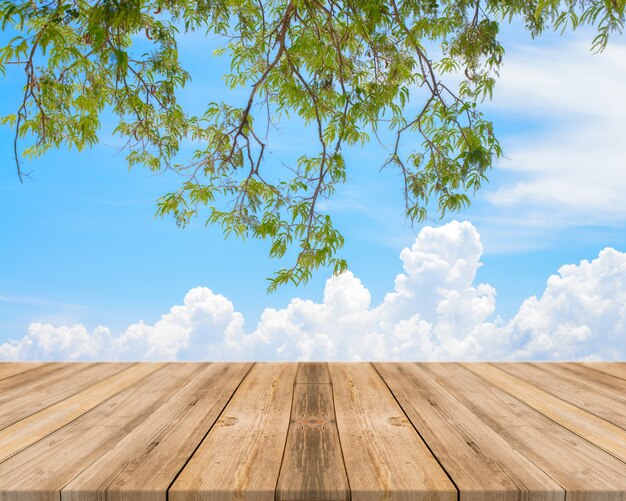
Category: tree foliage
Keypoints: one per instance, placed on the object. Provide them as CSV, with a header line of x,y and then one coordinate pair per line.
x,y
347,68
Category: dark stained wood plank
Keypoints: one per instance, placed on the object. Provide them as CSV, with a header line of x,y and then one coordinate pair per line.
x,y
482,464
8,369
24,400
29,430
143,464
312,466
39,472
384,456
617,369
240,457
586,472
605,435
566,384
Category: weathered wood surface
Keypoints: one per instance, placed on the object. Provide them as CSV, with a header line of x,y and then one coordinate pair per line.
x,y
312,431
312,466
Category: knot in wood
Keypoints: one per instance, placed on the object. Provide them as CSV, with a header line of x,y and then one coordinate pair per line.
x,y
398,421
227,421
313,421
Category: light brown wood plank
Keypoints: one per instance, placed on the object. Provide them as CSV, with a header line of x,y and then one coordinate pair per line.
x,y
312,467
481,463
8,369
574,387
31,377
616,369
586,472
39,472
24,400
143,464
29,430
605,435
600,381
240,457
384,456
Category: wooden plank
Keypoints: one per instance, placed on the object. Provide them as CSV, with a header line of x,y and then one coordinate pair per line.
x,y
312,466
29,430
586,472
615,369
312,373
143,464
30,377
481,463
385,458
24,400
575,387
39,472
606,435
240,457
8,369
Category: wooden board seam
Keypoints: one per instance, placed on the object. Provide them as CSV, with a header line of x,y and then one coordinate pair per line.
x,y
588,410
130,366
458,491
184,465
112,445
343,459
551,418
593,368
21,372
282,457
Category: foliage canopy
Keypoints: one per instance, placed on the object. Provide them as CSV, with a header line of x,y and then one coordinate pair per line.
x,y
347,68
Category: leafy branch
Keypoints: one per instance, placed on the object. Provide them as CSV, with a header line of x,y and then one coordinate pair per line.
x,y
347,69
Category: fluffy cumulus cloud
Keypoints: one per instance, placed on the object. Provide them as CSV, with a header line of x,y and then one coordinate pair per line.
x,y
436,311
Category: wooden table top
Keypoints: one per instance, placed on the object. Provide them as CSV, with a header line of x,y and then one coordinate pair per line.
x,y
312,431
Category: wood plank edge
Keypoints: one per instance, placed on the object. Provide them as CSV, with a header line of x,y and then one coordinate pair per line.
x,y
575,432
546,390
26,369
129,366
343,457
200,442
592,366
70,395
329,383
432,453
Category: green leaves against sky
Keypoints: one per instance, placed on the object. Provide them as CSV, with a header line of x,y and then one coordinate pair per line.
x,y
347,69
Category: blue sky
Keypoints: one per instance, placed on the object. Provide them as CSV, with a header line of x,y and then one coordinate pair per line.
x,y
80,244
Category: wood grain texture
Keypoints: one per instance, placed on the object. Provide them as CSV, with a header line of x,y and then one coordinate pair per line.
x,y
39,472
565,382
143,464
240,457
385,458
313,373
29,430
34,376
481,463
605,435
8,369
586,472
312,432
617,369
26,399
312,466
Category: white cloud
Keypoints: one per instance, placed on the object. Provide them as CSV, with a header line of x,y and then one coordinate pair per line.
x,y
573,165
581,313
435,312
